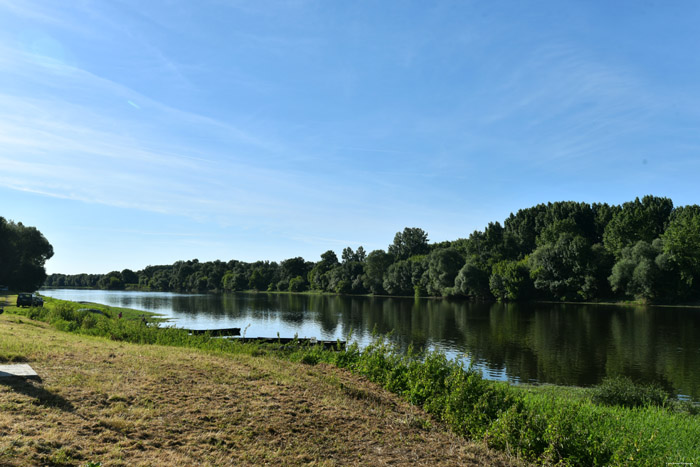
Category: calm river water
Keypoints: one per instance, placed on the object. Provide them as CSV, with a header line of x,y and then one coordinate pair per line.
x,y
540,343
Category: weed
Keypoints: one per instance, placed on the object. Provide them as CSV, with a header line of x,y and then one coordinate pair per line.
x,y
61,456
622,391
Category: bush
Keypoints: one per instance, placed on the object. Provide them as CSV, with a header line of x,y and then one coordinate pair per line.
x,y
89,321
622,391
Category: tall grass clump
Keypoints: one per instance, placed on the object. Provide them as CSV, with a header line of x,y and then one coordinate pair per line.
x,y
622,391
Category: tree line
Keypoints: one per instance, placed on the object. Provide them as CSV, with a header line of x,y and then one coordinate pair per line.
x,y
643,249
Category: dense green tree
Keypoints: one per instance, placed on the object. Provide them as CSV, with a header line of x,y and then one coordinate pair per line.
x,y
198,282
338,280
412,241
257,280
399,278
129,277
349,279
23,253
159,280
214,272
603,214
640,271
681,241
443,266
510,280
297,284
318,276
181,271
637,220
111,281
293,267
264,275
377,264
473,280
234,280
486,247
561,269
523,228
348,255
360,254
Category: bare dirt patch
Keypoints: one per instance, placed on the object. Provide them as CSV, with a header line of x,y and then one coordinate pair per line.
x,y
124,404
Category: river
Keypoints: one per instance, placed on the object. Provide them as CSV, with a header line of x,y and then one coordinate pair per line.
x,y
567,344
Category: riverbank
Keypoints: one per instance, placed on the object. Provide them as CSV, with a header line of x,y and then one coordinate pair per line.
x,y
544,424
118,403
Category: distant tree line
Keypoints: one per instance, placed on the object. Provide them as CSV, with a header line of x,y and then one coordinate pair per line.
x,y
23,252
644,249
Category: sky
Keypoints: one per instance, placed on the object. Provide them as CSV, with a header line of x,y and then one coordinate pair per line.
x,y
140,133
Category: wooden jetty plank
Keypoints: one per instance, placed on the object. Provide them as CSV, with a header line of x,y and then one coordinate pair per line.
x,y
216,332
291,340
228,332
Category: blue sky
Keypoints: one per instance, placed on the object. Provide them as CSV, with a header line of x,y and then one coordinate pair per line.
x,y
136,133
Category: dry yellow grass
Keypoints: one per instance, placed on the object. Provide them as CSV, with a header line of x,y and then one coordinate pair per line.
x,y
125,404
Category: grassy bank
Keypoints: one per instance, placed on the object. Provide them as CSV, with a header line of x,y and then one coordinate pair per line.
x,y
543,424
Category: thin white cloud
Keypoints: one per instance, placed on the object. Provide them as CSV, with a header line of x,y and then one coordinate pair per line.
x,y
87,146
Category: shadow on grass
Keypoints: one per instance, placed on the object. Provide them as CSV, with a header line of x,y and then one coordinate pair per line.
x,y
9,358
31,387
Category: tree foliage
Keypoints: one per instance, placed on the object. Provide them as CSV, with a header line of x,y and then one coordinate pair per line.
x,y
23,253
637,220
412,241
681,241
510,280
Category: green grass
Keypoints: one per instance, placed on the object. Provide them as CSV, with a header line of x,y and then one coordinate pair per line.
x,y
618,423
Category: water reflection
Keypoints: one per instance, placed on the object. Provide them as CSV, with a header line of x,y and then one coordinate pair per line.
x,y
552,343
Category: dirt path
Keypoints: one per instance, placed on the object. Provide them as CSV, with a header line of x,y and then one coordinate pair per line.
x,y
123,404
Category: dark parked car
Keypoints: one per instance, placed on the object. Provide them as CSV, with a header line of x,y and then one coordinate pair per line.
x,y
27,299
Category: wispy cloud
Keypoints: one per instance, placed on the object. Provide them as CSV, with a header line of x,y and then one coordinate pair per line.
x,y
89,145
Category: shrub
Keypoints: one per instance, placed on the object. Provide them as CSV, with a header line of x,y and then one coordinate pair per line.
x,y
622,391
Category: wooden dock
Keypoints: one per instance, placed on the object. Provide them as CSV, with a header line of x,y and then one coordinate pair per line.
x,y
216,332
235,332
294,340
